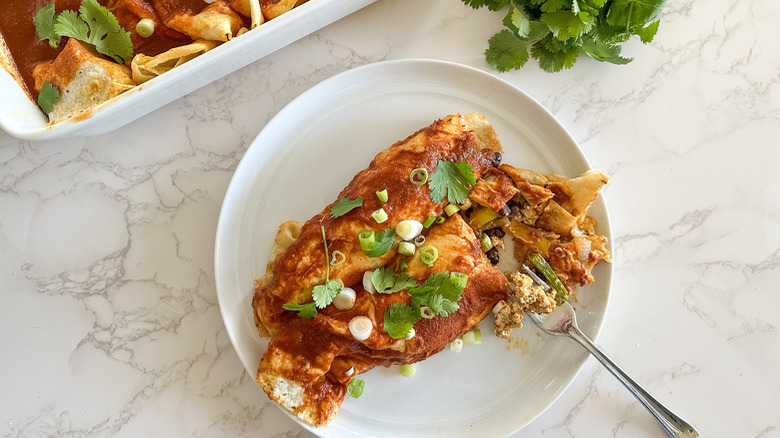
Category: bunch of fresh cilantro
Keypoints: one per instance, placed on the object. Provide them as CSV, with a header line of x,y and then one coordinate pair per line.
x,y
556,31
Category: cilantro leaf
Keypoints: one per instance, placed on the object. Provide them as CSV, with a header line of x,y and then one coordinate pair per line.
x,y
307,310
399,319
95,24
452,179
506,52
440,292
323,294
602,51
345,205
554,55
554,5
48,97
564,25
386,281
70,25
493,5
44,25
384,240
646,34
633,14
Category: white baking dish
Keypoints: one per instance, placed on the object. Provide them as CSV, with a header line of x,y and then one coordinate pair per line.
x,y
21,117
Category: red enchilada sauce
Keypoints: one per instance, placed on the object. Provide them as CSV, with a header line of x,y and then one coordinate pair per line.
x,y
27,50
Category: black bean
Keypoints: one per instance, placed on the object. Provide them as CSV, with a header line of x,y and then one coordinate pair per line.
x,y
495,232
497,159
493,255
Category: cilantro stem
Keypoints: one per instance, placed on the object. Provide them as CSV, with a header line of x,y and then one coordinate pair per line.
x,y
327,256
630,11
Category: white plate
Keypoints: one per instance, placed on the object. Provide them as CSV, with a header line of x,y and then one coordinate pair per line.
x,y
22,118
302,159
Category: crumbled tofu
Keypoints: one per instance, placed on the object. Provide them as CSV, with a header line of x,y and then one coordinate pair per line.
x,y
530,298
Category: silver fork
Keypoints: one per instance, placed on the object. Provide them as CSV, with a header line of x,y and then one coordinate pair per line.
x,y
563,322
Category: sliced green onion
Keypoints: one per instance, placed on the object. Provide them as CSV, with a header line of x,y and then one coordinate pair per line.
x,y
355,387
426,312
456,345
429,254
407,370
145,27
382,195
485,242
419,241
451,209
379,215
440,220
408,229
465,205
337,258
367,240
419,176
473,337
406,248
428,222
561,294
402,265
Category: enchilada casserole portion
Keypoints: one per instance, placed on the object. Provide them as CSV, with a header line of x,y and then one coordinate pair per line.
x,y
406,260
70,55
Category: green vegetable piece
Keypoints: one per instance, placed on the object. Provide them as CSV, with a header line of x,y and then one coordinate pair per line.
x,y
602,51
429,254
95,24
145,27
382,195
344,206
355,387
323,294
564,25
556,31
399,319
367,239
386,281
633,14
646,34
407,370
380,215
307,310
44,21
383,241
451,180
493,5
541,265
48,97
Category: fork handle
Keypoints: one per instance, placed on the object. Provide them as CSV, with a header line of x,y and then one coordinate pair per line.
x,y
673,425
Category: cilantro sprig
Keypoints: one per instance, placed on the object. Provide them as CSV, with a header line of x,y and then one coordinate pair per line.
x,y
437,296
322,294
345,205
383,241
48,97
451,180
556,32
386,281
93,24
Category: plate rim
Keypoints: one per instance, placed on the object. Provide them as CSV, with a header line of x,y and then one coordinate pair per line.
x,y
605,280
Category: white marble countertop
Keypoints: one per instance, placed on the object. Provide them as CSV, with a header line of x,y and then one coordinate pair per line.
x,y
110,325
